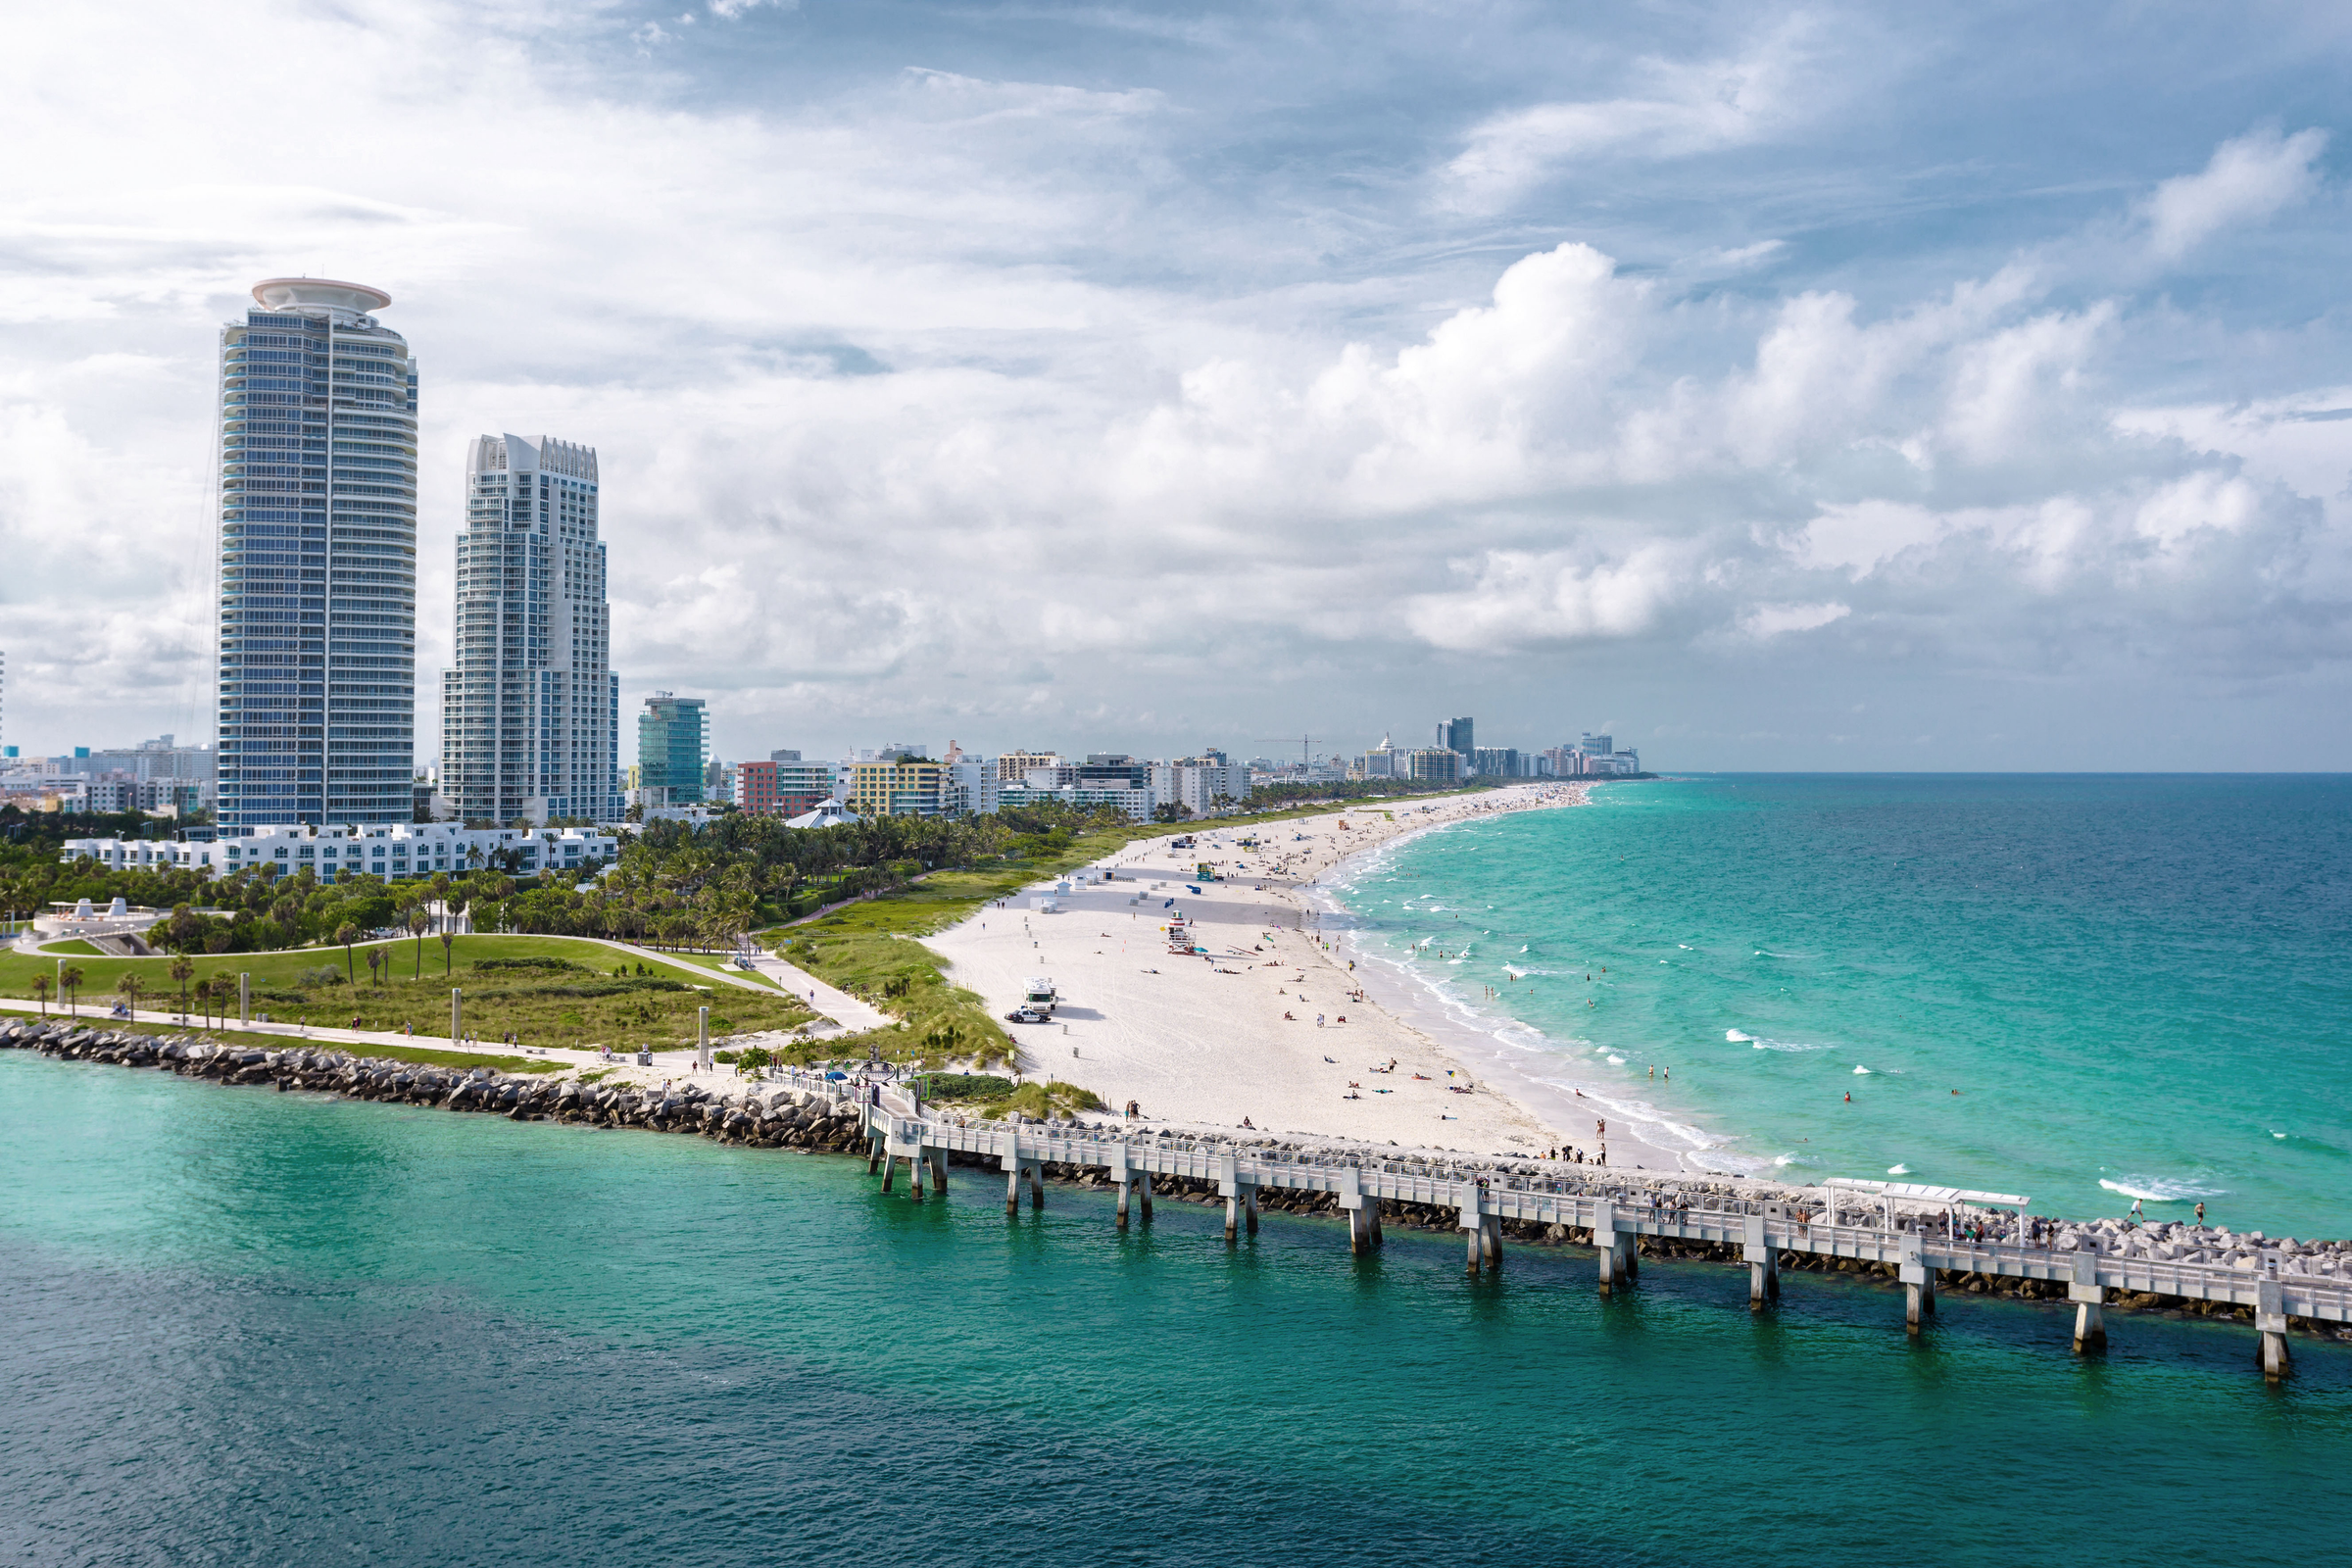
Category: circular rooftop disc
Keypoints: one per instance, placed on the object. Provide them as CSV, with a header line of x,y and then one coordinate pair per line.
x,y
316,293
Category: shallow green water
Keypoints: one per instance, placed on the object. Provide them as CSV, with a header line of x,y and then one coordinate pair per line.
x,y
2141,987
252,1327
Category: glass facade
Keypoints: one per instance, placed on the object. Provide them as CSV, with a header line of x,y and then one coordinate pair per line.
x,y
318,560
530,714
674,743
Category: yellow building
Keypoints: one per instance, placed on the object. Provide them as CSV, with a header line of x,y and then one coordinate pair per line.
x,y
903,788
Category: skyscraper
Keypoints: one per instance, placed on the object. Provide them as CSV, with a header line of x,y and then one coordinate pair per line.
x,y
318,560
530,715
1453,735
673,744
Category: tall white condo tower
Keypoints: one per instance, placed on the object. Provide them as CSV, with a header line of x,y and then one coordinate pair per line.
x,y
530,717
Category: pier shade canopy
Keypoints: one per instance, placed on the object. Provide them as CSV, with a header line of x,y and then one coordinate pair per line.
x,y
1913,1192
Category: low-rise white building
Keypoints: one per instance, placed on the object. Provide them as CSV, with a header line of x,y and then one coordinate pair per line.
x,y
386,850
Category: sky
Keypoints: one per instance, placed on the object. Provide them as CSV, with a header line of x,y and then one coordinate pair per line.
x,y
1808,387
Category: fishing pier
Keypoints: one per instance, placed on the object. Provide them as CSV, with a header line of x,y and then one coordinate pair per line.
x,y
1860,1222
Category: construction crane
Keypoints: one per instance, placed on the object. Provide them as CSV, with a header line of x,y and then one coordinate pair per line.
x,y
1303,742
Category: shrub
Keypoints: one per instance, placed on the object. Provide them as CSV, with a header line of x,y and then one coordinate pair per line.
x,y
966,1086
531,963
326,974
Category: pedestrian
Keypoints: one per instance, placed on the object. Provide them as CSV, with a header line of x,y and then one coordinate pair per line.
x,y
2201,1213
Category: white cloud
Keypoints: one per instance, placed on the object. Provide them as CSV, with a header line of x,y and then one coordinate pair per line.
x,y
1858,537
1766,622
2247,179
1517,600
1686,108
925,399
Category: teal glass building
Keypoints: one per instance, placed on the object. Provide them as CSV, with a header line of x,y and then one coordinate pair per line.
x,y
673,745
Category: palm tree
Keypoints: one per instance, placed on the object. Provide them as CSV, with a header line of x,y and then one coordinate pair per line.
x,y
346,934
224,986
70,979
182,971
447,937
417,921
129,986
40,989
204,999
376,960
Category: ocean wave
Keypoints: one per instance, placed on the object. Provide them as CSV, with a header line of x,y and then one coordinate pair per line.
x,y
2161,1189
1783,1161
1859,1068
1785,1045
1736,1037
1616,1061
1898,1171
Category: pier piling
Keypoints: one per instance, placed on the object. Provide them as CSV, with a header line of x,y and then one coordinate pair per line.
x,y
2090,1312
2269,1321
1918,1282
1618,1262
1763,1266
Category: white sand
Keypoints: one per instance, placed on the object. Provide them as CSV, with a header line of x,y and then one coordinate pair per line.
x,y
1203,1042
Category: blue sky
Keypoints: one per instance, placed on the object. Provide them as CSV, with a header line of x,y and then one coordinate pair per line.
x,y
1781,387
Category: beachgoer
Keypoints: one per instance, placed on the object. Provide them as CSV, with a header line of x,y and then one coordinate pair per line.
x,y
2200,1211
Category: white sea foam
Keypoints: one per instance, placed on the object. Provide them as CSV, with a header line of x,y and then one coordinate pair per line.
x,y
1861,1069
1898,1171
1735,1036
2160,1188
1786,1045
1616,1061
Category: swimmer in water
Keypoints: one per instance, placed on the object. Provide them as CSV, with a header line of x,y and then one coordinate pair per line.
x,y
1849,1096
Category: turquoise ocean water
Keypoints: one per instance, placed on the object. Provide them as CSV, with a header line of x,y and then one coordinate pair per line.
x,y
2141,987
255,1328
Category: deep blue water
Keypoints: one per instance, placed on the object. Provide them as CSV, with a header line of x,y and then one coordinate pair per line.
x,y
246,1327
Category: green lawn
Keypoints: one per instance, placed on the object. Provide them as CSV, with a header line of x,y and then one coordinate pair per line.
x,y
76,947
543,1008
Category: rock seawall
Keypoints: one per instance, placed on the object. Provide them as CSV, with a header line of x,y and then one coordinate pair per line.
x,y
783,1119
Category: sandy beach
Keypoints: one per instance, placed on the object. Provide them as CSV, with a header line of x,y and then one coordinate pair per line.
x,y
1269,1025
